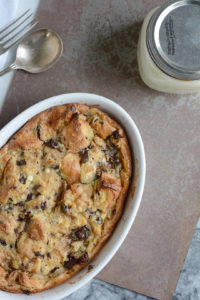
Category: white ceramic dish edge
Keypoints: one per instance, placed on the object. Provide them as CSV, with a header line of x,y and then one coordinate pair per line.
x,y
133,199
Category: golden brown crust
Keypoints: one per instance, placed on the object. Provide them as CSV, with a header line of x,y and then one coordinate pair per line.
x,y
64,179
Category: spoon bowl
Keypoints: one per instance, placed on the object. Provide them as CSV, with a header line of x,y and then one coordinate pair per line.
x,y
37,52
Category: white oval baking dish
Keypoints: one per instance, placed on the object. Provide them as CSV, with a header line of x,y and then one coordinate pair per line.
x,y
132,202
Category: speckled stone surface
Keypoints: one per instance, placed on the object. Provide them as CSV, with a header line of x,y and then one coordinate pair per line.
x,y
100,39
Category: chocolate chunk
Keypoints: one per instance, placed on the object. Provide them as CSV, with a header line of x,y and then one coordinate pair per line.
x,y
116,135
90,146
36,187
110,144
13,187
23,179
90,211
52,144
38,194
84,258
98,175
54,269
90,267
76,116
49,255
114,161
20,218
44,205
99,220
114,212
29,197
84,156
73,108
71,261
25,217
55,167
3,242
81,233
38,254
65,208
101,122
21,162
27,292
36,207
39,131
21,203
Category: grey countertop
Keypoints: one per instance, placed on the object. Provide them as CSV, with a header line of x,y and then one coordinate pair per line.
x,y
188,287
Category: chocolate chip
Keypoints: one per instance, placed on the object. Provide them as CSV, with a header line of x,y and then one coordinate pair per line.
x,y
81,233
55,167
44,205
71,261
27,292
90,267
73,108
114,161
110,144
54,269
49,255
38,254
114,212
98,175
84,156
116,135
13,187
90,211
38,194
23,179
36,187
101,122
21,162
99,220
90,146
3,242
52,144
65,208
29,197
76,116
36,207
25,217
39,131
84,258
21,203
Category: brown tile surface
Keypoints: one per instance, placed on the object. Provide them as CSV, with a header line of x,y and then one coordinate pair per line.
x,y
100,38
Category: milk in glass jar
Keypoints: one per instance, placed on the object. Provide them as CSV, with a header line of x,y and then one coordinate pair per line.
x,y
169,47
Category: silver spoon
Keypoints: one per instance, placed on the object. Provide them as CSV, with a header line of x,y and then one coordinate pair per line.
x,y
37,52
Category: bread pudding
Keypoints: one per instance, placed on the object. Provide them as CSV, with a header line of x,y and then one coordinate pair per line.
x,y
64,179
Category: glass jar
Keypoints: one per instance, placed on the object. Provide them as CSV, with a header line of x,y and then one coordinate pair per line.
x,y
168,50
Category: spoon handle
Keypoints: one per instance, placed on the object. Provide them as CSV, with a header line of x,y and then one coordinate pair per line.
x,y
9,68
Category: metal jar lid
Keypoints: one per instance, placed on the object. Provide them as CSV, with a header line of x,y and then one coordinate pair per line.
x,y
173,38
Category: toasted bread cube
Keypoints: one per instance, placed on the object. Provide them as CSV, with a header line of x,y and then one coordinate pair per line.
x,y
78,134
